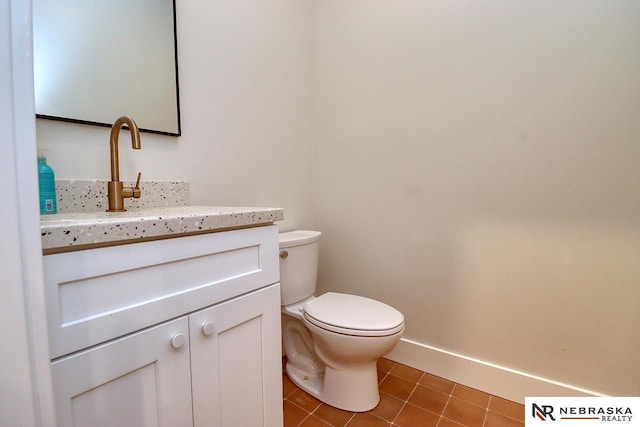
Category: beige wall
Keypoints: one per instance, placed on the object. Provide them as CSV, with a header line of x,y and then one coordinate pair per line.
x,y
478,167
475,164
245,89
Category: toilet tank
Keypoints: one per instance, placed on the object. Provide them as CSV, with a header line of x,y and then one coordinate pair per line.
x,y
299,252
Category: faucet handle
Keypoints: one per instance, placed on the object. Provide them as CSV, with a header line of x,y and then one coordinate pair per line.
x,y
136,189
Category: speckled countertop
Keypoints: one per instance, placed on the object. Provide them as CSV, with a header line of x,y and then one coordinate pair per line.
x,y
79,230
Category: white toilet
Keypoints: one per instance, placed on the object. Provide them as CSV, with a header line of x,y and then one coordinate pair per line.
x,y
332,341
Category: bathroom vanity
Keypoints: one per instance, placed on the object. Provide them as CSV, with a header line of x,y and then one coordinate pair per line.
x,y
177,328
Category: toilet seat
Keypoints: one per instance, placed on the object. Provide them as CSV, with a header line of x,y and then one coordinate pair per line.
x,y
353,315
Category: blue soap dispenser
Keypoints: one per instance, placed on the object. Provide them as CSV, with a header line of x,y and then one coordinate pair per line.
x,y
47,186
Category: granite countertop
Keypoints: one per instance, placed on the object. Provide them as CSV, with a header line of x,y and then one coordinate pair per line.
x,y
81,230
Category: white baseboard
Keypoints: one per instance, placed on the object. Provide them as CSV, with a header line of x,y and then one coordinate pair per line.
x,y
488,377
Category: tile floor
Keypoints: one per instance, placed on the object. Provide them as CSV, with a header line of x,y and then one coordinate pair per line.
x,y
408,398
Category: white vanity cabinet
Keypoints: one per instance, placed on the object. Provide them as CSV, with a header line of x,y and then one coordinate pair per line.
x,y
175,332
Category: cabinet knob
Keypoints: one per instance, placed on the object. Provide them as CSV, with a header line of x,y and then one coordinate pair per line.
x,y
284,254
178,340
208,328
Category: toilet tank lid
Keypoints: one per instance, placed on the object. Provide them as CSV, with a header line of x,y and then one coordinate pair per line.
x,y
353,312
298,237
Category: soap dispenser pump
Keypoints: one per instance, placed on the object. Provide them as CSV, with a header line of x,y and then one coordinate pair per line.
x,y
46,186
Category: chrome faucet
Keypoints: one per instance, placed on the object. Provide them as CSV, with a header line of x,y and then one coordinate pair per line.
x,y
115,189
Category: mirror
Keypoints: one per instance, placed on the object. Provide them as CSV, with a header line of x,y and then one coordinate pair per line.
x,y
95,61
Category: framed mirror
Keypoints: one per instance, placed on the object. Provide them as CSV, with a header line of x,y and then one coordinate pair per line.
x,y
95,61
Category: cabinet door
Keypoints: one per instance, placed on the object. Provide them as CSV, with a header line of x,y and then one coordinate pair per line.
x,y
236,362
142,379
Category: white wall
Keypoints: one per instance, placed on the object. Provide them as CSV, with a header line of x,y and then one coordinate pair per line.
x,y
478,167
25,381
17,394
245,97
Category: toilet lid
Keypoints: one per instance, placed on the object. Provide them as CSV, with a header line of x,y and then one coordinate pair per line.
x,y
353,315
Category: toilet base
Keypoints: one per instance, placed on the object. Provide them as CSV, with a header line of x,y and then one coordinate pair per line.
x,y
354,388
312,384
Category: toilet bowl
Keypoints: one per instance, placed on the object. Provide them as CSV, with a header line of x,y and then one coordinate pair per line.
x,y
333,341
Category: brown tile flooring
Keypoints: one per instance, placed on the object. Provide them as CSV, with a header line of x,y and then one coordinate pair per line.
x,y
408,398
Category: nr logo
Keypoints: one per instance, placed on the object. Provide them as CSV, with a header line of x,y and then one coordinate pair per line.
x,y
543,412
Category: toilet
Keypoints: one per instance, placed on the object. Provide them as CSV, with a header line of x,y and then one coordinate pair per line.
x,y
332,341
